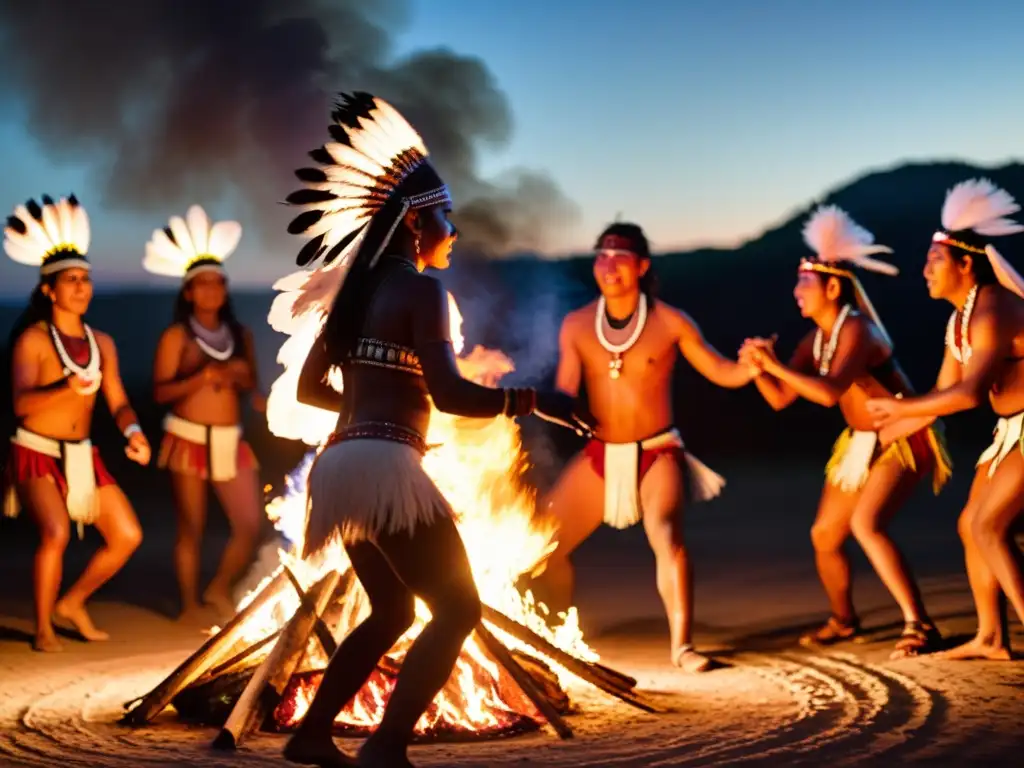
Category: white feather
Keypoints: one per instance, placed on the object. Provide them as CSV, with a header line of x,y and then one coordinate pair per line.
x,y
981,206
835,237
194,237
198,228
224,238
61,226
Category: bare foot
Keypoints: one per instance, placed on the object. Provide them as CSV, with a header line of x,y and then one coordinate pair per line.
x,y
306,750
47,642
688,660
377,753
221,602
975,649
79,618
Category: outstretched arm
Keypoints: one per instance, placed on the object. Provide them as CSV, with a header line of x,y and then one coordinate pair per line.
x,y
29,397
848,362
778,394
707,360
450,392
957,391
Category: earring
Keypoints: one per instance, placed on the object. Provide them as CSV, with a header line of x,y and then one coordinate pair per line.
x,y
416,244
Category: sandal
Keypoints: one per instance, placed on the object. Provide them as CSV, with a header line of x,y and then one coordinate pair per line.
x,y
833,631
918,637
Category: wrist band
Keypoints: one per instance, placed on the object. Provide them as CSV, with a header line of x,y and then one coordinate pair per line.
x,y
520,401
130,430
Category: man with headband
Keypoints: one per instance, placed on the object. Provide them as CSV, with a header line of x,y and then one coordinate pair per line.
x,y
984,357
59,365
623,348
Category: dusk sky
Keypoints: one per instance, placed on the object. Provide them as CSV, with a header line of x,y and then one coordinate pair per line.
x,y
704,121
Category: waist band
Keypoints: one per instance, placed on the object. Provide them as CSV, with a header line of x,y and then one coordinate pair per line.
x,y
380,430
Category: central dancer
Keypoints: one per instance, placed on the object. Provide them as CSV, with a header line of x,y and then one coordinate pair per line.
x,y
380,205
624,347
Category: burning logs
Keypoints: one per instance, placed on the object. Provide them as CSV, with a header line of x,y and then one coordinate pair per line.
x,y
609,681
526,683
141,711
265,688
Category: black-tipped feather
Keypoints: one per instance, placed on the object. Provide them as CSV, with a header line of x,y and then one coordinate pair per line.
x,y
309,196
322,156
304,221
17,225
342,244
170,234
309,252
34,210
311,175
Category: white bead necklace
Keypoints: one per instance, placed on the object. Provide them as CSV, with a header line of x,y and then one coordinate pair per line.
x,y
961,353
824,357
617,350
90,372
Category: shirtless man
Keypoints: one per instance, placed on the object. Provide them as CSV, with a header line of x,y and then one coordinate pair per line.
x,y
623,347
59,365
845,360
205,362
984,355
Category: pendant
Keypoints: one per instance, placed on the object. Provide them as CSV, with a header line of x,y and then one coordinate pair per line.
x,y
615,367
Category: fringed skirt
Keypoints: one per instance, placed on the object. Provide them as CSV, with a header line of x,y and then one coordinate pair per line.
x,y
855,453
369,481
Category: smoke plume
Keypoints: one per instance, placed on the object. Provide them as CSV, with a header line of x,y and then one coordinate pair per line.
x,y
181,101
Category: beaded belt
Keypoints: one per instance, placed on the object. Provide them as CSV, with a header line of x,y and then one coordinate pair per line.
x,y
385,354
380,430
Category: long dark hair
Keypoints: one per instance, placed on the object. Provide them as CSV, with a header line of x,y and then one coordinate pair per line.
x,y
183,311
648,281
39,309
347,315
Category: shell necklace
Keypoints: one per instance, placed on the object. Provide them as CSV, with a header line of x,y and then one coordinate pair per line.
x,y
90,372
961,353
824,357
218,344
617,350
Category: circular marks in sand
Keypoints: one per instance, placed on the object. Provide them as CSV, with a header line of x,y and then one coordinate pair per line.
x,y
790,708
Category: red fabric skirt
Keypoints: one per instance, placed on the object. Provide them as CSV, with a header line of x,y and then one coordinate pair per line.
x,y
594,451
24,464
188,458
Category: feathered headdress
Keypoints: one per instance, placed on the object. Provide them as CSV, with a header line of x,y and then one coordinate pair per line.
x,y
52,236
836,239
974,211
376,165
186,247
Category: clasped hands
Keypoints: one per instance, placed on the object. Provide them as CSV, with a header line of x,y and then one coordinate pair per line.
x,y
758,354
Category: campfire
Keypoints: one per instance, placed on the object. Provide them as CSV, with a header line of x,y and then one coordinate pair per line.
x,y
261,670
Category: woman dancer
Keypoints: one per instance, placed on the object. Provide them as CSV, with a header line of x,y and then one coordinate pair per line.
x,y
845,360
380,202
59,365
205,363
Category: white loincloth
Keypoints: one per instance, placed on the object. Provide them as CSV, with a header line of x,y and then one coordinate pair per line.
x,y
1005,437
850,470
360,488
82,501
221,441
622,507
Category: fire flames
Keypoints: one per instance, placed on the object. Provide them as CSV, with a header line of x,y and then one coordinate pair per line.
x,y
475,464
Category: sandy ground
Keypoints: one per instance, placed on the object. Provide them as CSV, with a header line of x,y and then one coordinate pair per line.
x,y
769,702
